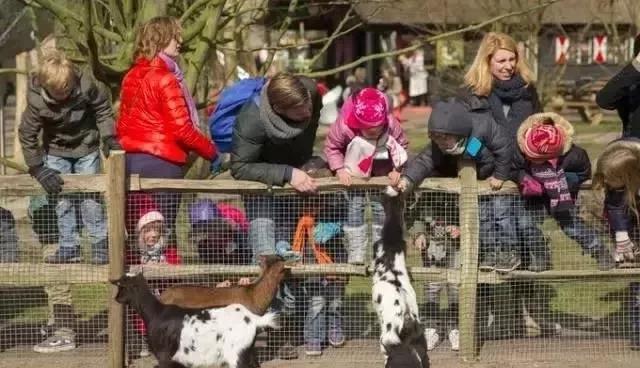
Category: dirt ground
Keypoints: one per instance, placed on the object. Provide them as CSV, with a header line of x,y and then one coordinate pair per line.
x,y
536,353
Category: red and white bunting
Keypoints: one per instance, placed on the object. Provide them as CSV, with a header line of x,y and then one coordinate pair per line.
x,y
562,49
600,49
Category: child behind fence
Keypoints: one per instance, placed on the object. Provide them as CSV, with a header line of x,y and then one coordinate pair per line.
x,y
317,239
549,168
618,174
219,232
435,233
148,246
365,141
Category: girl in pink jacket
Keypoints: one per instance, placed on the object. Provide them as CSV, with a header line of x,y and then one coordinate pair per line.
x,y
365,141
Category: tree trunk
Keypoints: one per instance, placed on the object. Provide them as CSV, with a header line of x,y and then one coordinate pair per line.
x,y
22,86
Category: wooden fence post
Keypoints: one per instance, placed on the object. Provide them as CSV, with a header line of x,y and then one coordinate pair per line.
x,y
115,201
469,235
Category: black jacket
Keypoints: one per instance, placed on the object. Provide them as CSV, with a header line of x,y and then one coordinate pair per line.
x,y
257,155
622,93
469,118
71,129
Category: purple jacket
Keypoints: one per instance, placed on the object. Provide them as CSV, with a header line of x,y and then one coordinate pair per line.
x,y
340,135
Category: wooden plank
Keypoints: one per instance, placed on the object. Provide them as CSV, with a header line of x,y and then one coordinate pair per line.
x,y
469,244
186,271
239,186
36,274
25,185
115,198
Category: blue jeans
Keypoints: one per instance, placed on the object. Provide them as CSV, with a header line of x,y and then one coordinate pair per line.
x,y
325,308
272,220
497,226
91,211
357,204
569,221
618,213
528,220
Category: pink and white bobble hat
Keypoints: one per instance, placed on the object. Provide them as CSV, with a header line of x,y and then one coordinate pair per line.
x,y
369,110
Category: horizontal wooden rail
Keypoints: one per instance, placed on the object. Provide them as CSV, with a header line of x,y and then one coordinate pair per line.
x,y
36,274
24,185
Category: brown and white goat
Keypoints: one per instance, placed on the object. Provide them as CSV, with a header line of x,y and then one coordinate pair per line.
x,y
256,297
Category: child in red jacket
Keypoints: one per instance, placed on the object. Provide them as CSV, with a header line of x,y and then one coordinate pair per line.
x,y
148,246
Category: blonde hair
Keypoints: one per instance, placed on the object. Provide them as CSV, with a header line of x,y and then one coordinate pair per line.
x,y
620,161
479,77
155,35
56,73
286,91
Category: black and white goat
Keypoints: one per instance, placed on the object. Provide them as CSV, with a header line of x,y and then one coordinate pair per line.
x,y
394,299
181,337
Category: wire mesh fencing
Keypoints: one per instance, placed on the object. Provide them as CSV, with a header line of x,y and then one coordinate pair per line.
x,y
53,262
496,276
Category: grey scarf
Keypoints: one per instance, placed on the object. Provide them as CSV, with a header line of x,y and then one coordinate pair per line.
x,y
276,126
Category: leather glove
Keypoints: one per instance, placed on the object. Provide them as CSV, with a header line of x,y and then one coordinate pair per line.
x,y
110,144
49,179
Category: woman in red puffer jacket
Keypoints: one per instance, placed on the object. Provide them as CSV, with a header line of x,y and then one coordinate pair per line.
x,y
158,120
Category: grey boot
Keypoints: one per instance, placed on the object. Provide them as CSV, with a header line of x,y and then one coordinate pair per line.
x,y
357,243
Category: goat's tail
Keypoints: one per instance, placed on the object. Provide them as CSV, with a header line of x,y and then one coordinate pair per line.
x,y
268,320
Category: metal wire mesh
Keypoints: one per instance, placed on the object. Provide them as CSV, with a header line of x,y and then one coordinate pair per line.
x,y
53,256
563,317
207,239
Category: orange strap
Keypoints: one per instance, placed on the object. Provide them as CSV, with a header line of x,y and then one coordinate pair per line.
x,y
304,233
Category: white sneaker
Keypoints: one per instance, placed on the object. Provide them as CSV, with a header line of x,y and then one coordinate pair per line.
x,y
432,337
454,339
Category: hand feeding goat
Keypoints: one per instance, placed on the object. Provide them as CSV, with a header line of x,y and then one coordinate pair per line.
x,y
394,299
256,297
181,337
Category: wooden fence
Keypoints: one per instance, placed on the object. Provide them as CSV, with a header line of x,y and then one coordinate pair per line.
x,y
115,184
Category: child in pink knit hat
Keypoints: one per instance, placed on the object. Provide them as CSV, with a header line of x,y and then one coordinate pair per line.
x,y
549,169
365,141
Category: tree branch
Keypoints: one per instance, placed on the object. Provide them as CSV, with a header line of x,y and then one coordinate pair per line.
x,y
12,71
333,36
283,28
424,41
192,9
203,46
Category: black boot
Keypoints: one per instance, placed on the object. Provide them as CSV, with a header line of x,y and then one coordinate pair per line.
x,y
540,257
603,256
488,259
508,260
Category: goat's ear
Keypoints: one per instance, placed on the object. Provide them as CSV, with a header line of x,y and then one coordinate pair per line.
x,y
115,282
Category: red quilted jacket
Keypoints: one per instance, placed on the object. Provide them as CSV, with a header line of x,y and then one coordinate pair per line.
x,y
154,117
